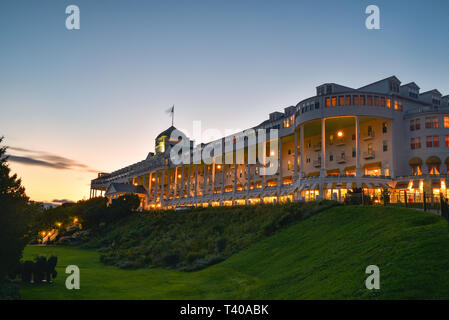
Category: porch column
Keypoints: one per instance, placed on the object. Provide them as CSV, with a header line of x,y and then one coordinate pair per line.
x,y
176,183
213,176
195,191
188,180
358,171
280,165
204,178
234,189
323,148
301,152
155,186
162,184
181,192
168,183
295,165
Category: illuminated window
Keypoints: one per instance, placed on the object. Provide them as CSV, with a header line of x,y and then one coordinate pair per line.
x,y
396,105
369,100
432,141
362,100
328,102
428,122
416,170
429,140
418,143
436,141
331,139
356,100
417,124
334,101
341,100
376,101
446,122
388,103
348,100
434,169
435,123
289,165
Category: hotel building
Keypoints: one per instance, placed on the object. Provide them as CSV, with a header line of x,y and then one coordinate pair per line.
x,y
382,135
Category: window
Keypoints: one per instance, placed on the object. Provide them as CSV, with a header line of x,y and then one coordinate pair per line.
x,y
348,100
412,143
417,124
353,153
432,141
417,143
334,101
331,157
331,139
382,102
370,148
341,100
289,165
385,146
428,122
446,140
384,127
289,151
328,102
436,141
416,170
412,125
434,169
388,103
435,123
362,100
446,122
369,100
317,104
353,137
370,131
376,100
356,100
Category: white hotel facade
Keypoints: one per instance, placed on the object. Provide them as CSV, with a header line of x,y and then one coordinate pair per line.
x,y
382,135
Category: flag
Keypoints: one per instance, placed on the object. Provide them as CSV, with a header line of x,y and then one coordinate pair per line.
x,y
170,110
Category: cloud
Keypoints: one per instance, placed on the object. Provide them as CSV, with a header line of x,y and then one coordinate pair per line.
x,y
62,201
45,159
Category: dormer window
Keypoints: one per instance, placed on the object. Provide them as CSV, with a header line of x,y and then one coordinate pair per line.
x,y
413,93
436,100
394,86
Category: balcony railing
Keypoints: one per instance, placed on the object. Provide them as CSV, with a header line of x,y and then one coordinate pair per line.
x,y
369,136
317,163
368,155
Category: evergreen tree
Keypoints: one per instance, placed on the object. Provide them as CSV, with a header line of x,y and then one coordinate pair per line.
x,y
13,203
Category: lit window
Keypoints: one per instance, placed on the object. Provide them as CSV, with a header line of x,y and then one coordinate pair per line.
x,y
334,101
435,122
376,100
436,141
328,102
446,122
388,103
362,100
348,100
356,100
429,140
446,140
341,100
369,100
428,122
417,124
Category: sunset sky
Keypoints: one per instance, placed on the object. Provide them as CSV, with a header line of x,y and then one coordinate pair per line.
x,y
76,102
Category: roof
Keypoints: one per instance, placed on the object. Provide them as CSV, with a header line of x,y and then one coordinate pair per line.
x,y
125,188
431,91
166,132
392,78
411,85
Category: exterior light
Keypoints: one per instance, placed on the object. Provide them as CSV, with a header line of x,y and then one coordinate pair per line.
x,y
75,220
272,153
340,134
154,179
43,233
179,176
218,167
58,224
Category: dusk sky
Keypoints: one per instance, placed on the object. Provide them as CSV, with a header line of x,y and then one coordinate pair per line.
x,y
76,102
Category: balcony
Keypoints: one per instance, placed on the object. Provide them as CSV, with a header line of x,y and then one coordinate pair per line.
x,y
341,159
317,147
368,155
317,163
369,136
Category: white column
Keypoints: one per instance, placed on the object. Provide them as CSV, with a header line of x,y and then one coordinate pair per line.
x,y
301,152
358,171
323,148
176,183
295,164
155,187
280,163
181,191
195,192
162,185
189,173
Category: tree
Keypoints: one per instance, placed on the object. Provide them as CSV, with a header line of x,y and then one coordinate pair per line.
x,y
13,204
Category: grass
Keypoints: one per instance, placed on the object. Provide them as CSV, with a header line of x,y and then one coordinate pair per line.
x,y
323,257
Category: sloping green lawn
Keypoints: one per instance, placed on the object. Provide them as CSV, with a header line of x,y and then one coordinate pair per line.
x,y
323,257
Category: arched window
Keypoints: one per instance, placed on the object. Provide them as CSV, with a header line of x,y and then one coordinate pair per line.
x,y
416,165
433,164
